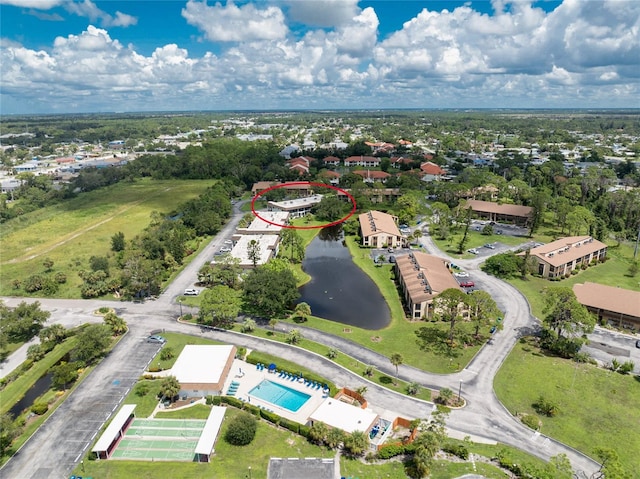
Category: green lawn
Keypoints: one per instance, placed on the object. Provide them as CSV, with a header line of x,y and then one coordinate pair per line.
x,y
82,227
229,462
612,273
598,408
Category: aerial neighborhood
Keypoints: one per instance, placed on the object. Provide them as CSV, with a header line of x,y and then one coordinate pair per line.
x,y
324,295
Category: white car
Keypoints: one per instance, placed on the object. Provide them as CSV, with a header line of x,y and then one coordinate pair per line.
x,y
462,274
228,242
225,250
472,251
191,292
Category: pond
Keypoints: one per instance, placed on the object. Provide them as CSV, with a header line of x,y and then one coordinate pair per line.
x,y
38,389
340,291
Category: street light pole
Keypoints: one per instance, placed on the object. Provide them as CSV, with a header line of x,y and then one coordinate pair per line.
x,y
180,303
459,390
249,472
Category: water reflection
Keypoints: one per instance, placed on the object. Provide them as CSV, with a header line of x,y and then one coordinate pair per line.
x,y
339,290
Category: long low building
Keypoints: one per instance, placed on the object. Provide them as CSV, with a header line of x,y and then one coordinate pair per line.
x,y
264,223
296,208
518,214
560,257
616,306
202,370
266,244
422,277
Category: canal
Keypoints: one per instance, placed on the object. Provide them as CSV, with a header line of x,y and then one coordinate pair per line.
x,y
340,291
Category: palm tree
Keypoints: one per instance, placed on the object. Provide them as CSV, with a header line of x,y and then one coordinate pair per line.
x,y
302,311
396,359
273,323
170,387
356,443
334,437
318,432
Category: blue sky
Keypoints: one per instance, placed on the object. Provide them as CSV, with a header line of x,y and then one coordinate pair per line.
x,y
62,56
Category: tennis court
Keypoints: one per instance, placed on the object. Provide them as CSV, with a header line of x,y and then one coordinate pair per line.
x,y
160,440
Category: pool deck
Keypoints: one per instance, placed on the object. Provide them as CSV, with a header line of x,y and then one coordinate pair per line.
x,y
251,377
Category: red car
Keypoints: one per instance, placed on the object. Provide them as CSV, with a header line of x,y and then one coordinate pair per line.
x,y
467,284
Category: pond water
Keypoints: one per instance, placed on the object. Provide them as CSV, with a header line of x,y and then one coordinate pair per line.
x,y
34,392
339,290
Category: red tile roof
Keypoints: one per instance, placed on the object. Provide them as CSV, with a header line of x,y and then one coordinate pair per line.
x,y
431,168
373,175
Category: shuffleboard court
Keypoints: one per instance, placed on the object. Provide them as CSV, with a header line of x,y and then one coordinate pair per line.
x,y
157,432
169,423
142,444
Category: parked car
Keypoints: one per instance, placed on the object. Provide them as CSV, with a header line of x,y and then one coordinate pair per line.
x,y
156,339
638,344
225,249
191,292
490,246
228,242
473,251
462,274
467,284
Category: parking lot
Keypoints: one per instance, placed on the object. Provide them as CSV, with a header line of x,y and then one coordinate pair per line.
x,y
500,228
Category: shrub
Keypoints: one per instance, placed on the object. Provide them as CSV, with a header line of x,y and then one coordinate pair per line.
x,y
241,430
392,450
270,416
546,407
459,450
531,420
250,408
166,353
40,407
231,401
241,352
290,425
142,389
304,430
626,367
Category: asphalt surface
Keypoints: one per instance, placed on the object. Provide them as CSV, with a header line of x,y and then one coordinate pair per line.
x,y
57,447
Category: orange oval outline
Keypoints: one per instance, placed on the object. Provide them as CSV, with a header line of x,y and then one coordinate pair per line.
x,y
310,183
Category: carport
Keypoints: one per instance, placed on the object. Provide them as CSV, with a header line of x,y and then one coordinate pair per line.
x,y
114,432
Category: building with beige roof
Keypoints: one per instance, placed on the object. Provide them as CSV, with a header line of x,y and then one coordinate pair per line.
x,y
616,306
421,278
518,214
379,230
560,257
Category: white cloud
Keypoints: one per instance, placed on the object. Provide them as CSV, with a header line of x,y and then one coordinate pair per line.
x,y
39,4
90,10
323,13
231,23
577,55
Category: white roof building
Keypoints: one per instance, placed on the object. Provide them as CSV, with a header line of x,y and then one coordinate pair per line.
x,y
267,245
297,207
340,415
260,226
202,369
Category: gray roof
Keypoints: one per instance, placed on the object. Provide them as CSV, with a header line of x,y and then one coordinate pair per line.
x,y
302,468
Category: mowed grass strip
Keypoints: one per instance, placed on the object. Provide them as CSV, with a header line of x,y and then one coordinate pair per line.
x,y
71,232
597,407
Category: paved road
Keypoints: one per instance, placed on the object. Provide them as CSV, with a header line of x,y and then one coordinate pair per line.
x,y
484,416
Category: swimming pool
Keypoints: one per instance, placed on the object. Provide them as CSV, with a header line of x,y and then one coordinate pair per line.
x,y
280,395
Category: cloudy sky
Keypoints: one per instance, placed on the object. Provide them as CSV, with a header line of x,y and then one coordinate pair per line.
x,y
59,56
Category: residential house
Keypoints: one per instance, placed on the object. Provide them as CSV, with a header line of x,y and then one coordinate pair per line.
x,y
364,161
399,161
422,277
560,257
331,161
376,195
518,214
370,176
332,176
431,171
613,305
379,230
298,188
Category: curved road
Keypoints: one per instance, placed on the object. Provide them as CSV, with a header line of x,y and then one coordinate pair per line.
x,y
484,415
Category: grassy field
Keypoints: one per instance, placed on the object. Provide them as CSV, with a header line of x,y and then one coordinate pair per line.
x,y
230,462
597,408
71,232
612,273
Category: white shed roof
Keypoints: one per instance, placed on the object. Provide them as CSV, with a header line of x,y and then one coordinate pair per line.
x,y
335,413
199,363
112,430
211,430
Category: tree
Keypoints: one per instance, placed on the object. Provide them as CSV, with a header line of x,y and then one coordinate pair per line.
x,y
396,359
226,270
564,314
248,326
36,352
117,325
64,374
427,444
9,430
330,208
334,438
302,312
445,396
482,309
294,336
356,443
169,388
92,342
48,264
318,432
503,265
273,323
54,334
23,322
291,239
269,292
611,467
219,306
253,252
449,306
464,239
241,429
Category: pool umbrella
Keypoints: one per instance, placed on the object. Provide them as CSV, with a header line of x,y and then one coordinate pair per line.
x,y
272,366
